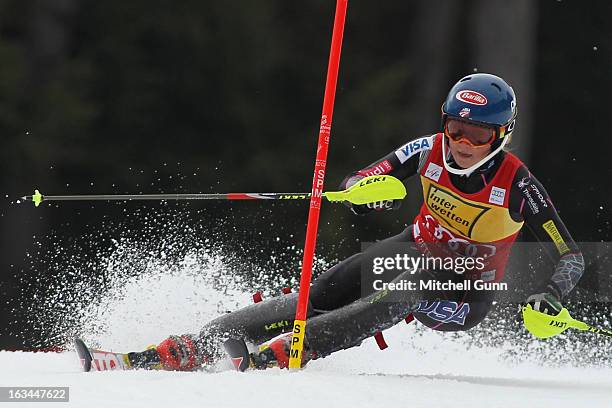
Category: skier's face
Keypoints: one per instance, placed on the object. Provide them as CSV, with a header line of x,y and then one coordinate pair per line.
x,y
467,156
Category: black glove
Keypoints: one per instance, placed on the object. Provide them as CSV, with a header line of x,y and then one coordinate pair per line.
x,y
546,301
361,209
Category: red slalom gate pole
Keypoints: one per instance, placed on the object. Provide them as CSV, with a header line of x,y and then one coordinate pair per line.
x,y
299,325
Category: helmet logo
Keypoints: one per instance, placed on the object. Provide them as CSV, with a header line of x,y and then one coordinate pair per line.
x,y
473,97
464,113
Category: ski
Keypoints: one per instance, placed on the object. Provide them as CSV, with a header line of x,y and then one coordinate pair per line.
x,y
99,360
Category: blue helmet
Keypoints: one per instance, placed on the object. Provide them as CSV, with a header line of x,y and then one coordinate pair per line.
x,y
485,99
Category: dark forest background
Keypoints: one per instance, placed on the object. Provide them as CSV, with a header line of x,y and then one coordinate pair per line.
x,y
217,96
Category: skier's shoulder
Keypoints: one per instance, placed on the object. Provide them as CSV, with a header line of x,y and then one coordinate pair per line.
x,y
515,160
523,175
414,147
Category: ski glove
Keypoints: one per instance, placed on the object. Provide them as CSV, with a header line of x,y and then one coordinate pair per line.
x,y
545,302
376,206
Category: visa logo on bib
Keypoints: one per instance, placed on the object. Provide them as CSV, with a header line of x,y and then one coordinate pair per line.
x,y
411,148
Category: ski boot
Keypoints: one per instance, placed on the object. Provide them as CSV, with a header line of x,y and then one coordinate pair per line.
x,y
176,353
272,354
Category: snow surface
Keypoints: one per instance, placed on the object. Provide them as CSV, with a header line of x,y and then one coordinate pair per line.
x,y
421,368
445,374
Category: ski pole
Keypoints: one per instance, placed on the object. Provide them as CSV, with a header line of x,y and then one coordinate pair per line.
x,y
368,190
299,324
543,326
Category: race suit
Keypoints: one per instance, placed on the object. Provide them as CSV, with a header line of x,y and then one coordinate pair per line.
x,y
483,211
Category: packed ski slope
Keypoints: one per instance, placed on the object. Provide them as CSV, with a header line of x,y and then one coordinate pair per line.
x,y
446,374
421,368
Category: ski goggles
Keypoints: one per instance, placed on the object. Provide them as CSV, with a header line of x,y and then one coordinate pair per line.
x,y
473,134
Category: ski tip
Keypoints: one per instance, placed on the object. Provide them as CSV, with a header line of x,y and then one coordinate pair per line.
x,y
83,353
238,352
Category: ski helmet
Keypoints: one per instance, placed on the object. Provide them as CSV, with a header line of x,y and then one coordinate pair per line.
x,y
483,99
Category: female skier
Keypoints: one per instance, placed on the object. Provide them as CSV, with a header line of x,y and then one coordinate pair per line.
x,y
477,196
